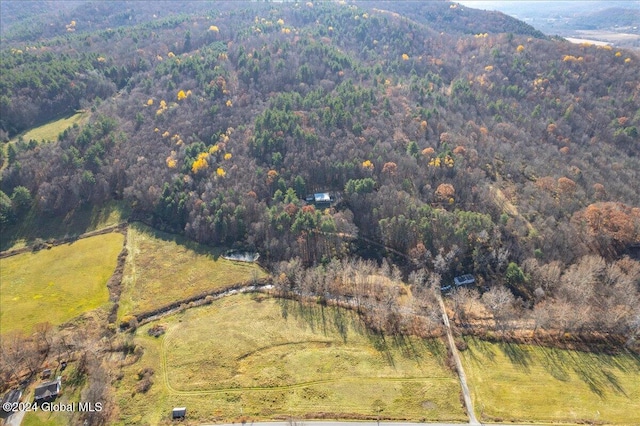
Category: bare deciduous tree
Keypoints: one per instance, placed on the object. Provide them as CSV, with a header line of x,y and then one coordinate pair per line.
x,y
500,303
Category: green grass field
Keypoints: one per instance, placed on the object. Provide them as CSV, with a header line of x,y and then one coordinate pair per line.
x,y
51,130
524,383
162,268
42,418
268,358
58,284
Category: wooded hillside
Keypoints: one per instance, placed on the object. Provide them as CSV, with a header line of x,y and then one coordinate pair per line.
x,y
461,145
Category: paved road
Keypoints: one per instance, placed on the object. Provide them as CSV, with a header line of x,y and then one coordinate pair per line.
x,y
456,357
15,418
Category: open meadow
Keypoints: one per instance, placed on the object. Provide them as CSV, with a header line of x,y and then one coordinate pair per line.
x,y
163,268
526,383
57,284
266,358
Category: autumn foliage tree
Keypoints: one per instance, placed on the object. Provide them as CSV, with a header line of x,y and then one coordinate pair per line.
x,y
445,192
609,227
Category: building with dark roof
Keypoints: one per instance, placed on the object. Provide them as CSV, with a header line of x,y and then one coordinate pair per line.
x,y
464,280
48,391
321,200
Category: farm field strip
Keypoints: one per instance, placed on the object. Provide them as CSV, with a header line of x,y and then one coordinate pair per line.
x,y
298,385
84,221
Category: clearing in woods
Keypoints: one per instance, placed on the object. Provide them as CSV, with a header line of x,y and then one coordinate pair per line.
x,y
85,218
51,130
266,358
48,131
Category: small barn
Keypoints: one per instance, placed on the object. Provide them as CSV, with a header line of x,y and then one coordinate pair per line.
x,y
48,391
179,413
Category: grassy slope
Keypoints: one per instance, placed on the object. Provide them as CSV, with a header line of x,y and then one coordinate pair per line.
x,y
526,383
44,419
162,268
51,130
83,219
269,358
56,285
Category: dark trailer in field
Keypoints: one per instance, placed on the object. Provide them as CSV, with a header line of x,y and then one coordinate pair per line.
x,y
179,413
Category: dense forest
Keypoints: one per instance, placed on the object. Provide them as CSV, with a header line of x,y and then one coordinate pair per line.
x,y
451,143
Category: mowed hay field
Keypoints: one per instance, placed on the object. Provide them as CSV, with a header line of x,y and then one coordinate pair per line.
x,y
57,284
268,358
163,268
526,383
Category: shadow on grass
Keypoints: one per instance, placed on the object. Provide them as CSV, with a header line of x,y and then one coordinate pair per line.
x,y
603,374
330,320
201,249
600,372
381,344
478,351
339,322
595,371
516,354
436,348
46,227
555,363
407,347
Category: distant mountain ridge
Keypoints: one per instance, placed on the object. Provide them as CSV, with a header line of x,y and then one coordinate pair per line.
x,y
455,18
